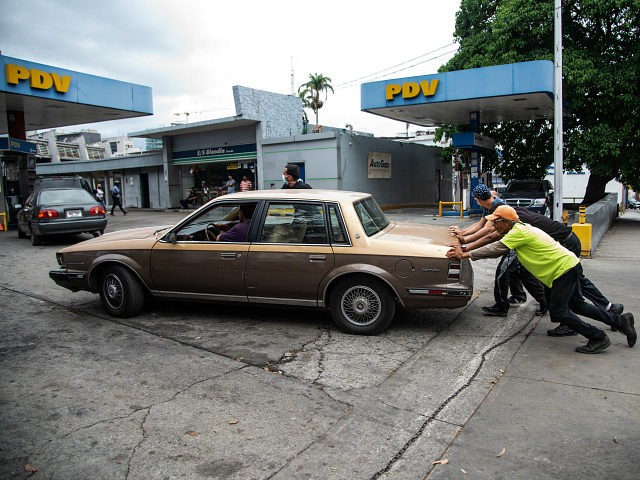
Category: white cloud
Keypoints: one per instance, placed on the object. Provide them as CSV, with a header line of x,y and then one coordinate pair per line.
x,y
192,52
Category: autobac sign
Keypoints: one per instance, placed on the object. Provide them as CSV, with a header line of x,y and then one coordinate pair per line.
x,y
379,165
37,78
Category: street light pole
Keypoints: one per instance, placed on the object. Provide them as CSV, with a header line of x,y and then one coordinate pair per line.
x,y
558,164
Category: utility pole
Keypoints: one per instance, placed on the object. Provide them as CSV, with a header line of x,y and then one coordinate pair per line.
x,y
558,164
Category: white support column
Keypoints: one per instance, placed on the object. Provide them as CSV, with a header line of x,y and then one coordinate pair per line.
x,y
558,163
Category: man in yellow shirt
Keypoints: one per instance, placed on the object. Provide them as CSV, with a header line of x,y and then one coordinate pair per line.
x,y
559,270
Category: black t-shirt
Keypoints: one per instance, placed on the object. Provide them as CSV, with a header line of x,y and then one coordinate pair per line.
x,y
299,184
556,230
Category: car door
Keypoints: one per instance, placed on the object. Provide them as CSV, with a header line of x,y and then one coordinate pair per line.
x,y
188,264
291,254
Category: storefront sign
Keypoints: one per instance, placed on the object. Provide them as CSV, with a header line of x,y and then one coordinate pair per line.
x,y
216,154
379,165
412,89
37,78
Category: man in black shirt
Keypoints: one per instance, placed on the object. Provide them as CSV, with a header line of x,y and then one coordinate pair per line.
x,y
291,177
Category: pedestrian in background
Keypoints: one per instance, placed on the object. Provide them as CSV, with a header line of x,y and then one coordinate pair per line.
x,y
230,185
116,198
245,184
100,194
291,177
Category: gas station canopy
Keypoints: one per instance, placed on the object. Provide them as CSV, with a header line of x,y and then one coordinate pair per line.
x,y
49,97
518,91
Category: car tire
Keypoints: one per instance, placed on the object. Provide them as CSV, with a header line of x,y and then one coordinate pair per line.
x,y
35,239
121,293
362,305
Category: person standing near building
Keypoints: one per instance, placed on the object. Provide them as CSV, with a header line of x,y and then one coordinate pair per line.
x,y
116,199
245,184
230,185
291,177
100,194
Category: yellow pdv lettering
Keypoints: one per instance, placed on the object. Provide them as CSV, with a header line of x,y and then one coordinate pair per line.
x,y
429,88
41,80
392,90
61,83
410,90
15,73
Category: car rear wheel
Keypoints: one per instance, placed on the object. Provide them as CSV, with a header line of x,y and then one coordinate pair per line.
x,y
35,239
362,305
121,293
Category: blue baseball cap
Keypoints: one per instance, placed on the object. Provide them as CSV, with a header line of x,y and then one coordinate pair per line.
x,y
481,192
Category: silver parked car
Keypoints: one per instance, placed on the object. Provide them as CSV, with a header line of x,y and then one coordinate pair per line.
x,y
58,211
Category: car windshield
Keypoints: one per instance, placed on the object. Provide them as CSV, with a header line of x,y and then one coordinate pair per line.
x,y
524,187
371,216
65,195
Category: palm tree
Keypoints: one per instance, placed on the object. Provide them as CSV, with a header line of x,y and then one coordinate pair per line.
x,y
310,92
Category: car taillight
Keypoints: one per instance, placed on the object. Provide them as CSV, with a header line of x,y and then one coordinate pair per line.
x,y
99,210
48,214
453,275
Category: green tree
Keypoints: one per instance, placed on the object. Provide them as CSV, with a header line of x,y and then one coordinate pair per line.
x,y
311,92
601,83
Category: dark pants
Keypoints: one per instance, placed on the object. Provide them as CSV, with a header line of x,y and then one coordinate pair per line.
x,y
510,273
565,301
116,203
589,290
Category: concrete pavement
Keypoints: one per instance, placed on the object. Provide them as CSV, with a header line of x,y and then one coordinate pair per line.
x,y
555,413
181,393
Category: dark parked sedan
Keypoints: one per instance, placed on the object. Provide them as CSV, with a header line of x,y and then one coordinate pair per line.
x,y
58,211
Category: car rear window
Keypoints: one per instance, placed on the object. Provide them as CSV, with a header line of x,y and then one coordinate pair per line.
x,y
371,216
65,195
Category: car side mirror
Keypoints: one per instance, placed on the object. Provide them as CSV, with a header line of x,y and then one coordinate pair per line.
x,y
172,237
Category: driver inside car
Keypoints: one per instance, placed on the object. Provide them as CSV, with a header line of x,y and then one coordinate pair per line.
x,y
240,231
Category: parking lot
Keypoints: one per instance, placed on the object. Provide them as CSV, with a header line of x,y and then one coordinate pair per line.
x,y
237,392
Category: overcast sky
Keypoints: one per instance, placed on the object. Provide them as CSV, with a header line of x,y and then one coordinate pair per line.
x,y
192,52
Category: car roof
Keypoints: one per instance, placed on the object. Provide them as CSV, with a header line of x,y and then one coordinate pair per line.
x,y
296,194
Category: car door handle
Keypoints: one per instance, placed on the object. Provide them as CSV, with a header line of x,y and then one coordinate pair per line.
x,y
317,258
228,255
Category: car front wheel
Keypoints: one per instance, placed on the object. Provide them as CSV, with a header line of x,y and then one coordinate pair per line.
x,y
121,293
362,305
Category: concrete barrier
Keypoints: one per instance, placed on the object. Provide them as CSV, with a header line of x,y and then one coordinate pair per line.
x,y
601,215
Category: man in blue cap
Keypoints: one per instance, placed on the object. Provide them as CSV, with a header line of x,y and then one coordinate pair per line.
x,y
481,233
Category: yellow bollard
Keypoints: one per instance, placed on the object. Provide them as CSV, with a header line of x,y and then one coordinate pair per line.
x,y
583,231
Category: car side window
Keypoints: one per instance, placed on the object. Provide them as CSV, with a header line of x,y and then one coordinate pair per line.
x,y
196,229
293,222
338,232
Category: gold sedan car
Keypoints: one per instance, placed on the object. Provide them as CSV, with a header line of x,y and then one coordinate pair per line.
x,y
312,248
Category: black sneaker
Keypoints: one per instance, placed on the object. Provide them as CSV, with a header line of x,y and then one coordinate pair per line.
x,y
594,346
627,328
494,311
514,301
561,331
616,308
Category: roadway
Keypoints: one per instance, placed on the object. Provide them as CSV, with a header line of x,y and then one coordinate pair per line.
x,y
237,392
